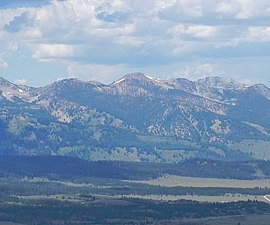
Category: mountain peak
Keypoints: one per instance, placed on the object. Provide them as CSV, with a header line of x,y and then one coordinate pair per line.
x,y
260,89
221,83
11,91
106,121
5,82
131,76
137,76
69,80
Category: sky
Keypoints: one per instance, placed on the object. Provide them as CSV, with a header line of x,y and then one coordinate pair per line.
x,y
42,41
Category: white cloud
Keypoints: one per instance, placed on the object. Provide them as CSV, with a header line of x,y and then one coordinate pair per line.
x,y
52,51
253,9
97,72
228,8
215,9
8,45
95,37
21,81
7,15
130,41
197,31
8,42
83,28
258,34
195,71
3,64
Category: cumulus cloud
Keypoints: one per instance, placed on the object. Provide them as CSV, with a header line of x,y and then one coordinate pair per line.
x,y
253,9
192,10
21,81
18,23
102,73
195,71
258,34
110,36
196,31
53,51
3,64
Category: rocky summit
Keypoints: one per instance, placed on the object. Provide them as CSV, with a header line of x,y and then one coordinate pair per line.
x,y
137,118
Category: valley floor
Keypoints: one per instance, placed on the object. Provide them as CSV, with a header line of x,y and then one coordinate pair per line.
x,y
80,192
176,181
41,201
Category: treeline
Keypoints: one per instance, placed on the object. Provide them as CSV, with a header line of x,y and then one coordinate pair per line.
x,y
57,167
135,210
27,187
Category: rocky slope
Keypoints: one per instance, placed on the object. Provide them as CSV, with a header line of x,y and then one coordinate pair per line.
x,y
137,118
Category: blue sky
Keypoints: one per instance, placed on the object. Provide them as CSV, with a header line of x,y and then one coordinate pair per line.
x,y
42,40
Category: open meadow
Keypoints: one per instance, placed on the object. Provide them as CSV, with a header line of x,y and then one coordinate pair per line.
x,y
180,181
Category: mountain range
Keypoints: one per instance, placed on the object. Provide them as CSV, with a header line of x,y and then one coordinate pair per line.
x,y
137,118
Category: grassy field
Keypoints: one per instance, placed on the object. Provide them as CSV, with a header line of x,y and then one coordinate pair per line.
x,y
235,220
9,223
177,181
174,181
59,198
169,188
201,198
258,149
42,201
165,141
